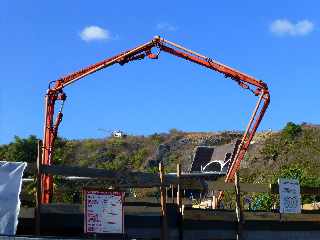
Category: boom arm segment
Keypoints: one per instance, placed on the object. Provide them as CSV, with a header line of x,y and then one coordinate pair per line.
x,y
120,58
200,59
55,93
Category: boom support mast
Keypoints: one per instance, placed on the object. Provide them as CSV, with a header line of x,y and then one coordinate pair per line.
x,y
55,93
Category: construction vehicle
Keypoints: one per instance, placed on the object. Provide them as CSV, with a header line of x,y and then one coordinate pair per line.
x,y
114,133
151,50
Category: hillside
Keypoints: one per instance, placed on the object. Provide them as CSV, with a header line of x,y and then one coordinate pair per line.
x,y
293,152
296,145
139,152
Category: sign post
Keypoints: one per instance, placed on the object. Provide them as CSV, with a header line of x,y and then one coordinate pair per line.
x,y
290,198
103,211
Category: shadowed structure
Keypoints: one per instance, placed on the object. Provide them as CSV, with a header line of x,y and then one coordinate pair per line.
x,y
214,159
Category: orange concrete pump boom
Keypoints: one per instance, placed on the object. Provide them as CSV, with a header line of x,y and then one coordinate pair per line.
x,y
55,93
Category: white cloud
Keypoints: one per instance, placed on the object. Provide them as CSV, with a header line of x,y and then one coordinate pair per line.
x,y
166,27
94,33
283,27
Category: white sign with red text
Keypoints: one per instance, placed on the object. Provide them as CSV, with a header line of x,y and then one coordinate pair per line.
x,y
103,211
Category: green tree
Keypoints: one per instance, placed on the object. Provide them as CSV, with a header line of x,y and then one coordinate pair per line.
x,y
60,150
138,157
22,150
291,131
263,201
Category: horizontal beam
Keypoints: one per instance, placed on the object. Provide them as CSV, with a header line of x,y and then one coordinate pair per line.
x,y
116,178
304,190
125,179
216,215
128,179
263,188
244,187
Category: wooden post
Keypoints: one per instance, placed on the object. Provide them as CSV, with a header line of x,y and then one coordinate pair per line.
x,y
238,208
166,193
38,194
179,202
172,193
164,227
214,202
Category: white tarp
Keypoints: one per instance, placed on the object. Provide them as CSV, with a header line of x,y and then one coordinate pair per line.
x,y
10,187
290,198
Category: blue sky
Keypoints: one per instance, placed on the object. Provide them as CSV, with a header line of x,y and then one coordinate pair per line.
x,y
276,41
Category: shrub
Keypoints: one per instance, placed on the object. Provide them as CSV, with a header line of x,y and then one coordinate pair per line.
x,y
291,131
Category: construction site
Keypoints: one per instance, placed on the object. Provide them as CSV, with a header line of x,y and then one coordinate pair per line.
x,y
189,203
246,184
